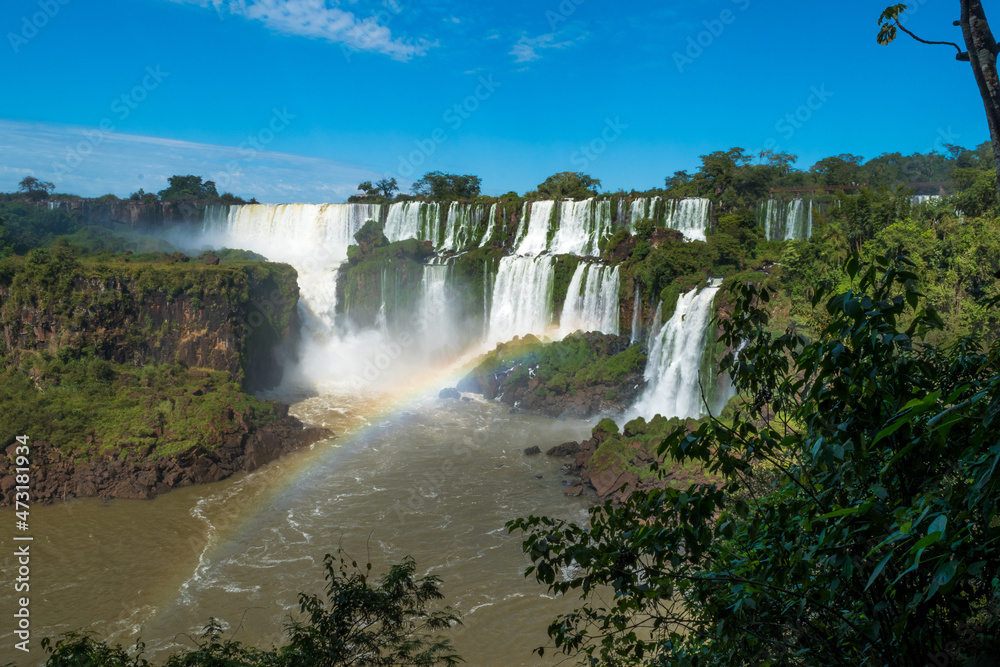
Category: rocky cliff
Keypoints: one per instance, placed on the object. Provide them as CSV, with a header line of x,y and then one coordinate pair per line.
x,y
199,313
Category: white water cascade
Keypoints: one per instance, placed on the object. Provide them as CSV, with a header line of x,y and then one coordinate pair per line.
x,y
640,208
522,298
689,216
925,199
592,300
461,226
675,359
311,237
414,220
636,316
582,224
786,222
434,310
533,234
490,227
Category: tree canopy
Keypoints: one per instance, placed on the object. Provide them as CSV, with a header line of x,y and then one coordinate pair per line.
x,y
35,188
188,187
980,52
568,184
856,522
442,186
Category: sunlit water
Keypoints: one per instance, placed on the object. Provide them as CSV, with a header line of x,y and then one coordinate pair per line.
x,y
434,479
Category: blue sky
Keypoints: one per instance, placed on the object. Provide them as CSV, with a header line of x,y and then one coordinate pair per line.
x,y
299,100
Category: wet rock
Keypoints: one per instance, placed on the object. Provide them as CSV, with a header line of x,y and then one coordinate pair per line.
x,y
573,491
565,449
450,392
532,451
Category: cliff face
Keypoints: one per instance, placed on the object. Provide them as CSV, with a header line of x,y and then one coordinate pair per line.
x,y
134,213
229,318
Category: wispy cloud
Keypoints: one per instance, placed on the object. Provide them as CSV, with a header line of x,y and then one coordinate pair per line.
x,y
312,18
123,163
526,49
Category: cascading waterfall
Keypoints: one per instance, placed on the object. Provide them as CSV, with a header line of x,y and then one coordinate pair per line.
x,y
640,208
790,222
461,226
491,226
675,359
582,224
414,220
636,310
533,234
689,216
925,199
592,300
435,309
522,298
311,237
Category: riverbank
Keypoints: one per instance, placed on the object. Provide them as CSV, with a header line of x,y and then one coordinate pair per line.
x,y
137,475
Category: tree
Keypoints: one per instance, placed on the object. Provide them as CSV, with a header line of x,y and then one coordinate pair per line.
x,y
843,169
442,186
362,621
386,187
35,188
367,188
980,51
188,188
857,517
568,184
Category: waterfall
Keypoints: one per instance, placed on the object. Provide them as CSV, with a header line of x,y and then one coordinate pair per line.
x,y
925,199
414,220
581,225
522,298
491,226
461,226
311,237
636,310
675,359
789,222
533,236
435,312
689,216
641,207
592,300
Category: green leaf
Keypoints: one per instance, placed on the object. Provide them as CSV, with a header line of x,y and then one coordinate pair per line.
x,y
878,570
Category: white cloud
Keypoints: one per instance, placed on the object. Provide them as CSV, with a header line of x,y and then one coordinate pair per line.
x,y
526,49
122,163
312,18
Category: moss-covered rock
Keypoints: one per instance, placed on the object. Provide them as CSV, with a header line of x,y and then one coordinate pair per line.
x,y
580,376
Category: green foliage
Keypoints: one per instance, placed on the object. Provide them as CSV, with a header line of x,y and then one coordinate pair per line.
x,y
87,406
857,520
34,188
188,187
440,186
362,621
567,184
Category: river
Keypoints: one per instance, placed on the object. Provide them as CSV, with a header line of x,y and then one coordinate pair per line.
x,y
420,476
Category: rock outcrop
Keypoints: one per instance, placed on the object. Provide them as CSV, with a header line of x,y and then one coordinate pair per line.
x,y
55,476
584,375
